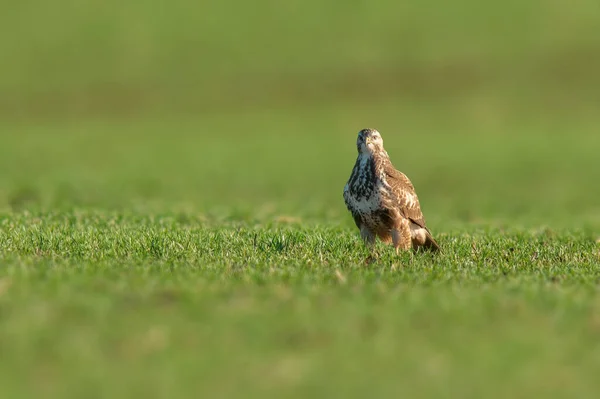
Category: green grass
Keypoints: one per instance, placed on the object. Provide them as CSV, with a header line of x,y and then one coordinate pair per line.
x,y
172,256
171,212
118,304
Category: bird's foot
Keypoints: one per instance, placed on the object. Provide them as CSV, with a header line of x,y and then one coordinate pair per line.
x,y
372,258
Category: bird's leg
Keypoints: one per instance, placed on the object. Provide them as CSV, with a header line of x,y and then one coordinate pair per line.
x,y
369,239
401,236
368,236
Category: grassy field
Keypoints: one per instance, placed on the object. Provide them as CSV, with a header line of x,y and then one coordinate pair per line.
x,y
140,263
171,212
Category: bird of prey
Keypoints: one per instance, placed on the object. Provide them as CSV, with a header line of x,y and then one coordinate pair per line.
x,y
382,200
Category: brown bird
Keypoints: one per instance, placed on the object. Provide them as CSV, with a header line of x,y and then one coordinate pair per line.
x,y
382,200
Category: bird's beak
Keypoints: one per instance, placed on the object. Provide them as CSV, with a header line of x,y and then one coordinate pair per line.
x,y
368,141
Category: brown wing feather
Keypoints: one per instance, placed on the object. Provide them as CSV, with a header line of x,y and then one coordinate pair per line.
x,y
401,187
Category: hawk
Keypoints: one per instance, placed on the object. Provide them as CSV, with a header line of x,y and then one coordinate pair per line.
x,y
383,200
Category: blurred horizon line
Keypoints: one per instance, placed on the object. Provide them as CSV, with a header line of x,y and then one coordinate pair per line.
x,y
572,75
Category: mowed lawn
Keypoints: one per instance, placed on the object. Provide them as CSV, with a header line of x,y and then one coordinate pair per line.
x,y
214,256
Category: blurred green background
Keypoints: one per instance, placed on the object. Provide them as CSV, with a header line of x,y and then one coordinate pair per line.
x,y
491,108
122,58
146,147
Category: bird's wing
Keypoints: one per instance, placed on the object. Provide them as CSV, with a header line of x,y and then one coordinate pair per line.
x,y
404,197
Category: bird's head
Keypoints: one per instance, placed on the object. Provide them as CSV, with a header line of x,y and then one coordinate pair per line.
x,y
369,141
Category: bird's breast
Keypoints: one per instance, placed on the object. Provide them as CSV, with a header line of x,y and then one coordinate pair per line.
x,y
365,191
365,198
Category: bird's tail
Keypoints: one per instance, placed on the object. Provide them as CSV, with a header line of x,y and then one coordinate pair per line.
x,y
430,243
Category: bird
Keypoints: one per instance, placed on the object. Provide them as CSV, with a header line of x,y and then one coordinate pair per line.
x,y
383,201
